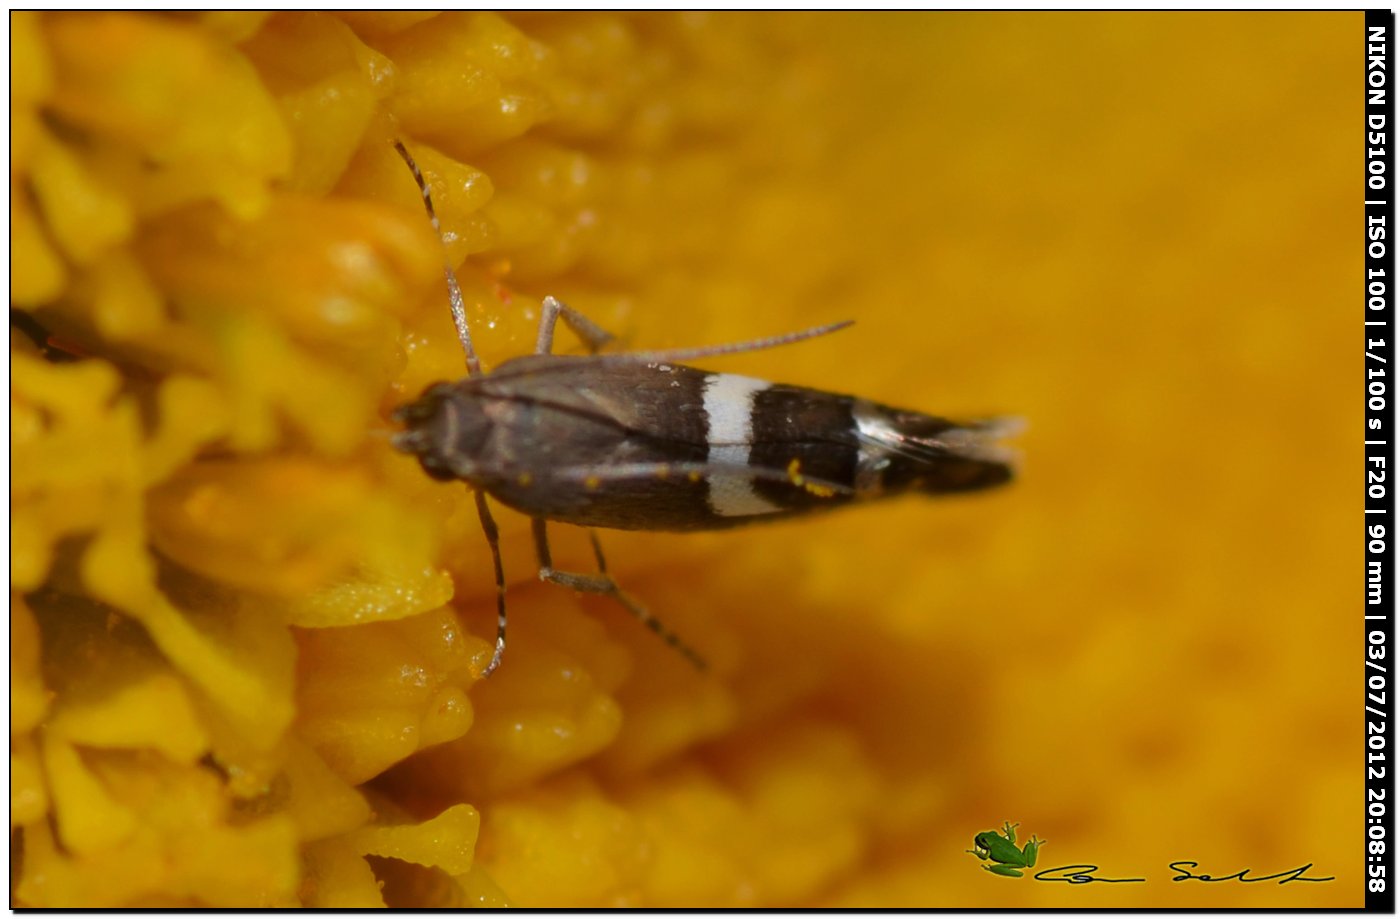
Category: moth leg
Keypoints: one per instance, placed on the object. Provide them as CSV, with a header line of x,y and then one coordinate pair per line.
x,y
493,539
690,354
589,332
603,584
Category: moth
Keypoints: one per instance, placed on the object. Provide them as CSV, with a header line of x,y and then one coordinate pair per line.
x,y
642,441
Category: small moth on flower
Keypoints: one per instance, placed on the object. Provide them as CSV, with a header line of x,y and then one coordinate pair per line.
x,y
640,441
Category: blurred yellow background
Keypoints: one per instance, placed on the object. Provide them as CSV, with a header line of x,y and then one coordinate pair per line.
x,y
1136,231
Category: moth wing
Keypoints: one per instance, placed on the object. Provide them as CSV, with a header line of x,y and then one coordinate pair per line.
x,y
978,440
658,400
587,475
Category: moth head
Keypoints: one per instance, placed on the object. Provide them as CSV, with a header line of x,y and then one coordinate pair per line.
x,y
443,430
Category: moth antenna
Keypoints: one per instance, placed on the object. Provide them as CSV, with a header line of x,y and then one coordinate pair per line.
x,y
493,539
758,344
454,290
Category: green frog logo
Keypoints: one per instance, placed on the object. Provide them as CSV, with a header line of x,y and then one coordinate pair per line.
x,y
1000,848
